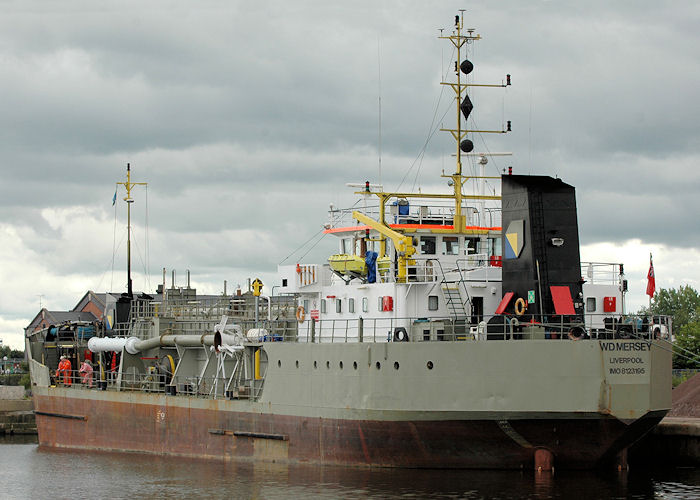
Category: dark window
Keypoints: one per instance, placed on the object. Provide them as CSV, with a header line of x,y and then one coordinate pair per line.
x,y
427,245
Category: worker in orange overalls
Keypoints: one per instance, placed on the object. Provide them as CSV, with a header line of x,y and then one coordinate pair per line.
x,y
64,367
86,373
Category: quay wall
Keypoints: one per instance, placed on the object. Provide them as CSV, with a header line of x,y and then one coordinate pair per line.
x,y
17,416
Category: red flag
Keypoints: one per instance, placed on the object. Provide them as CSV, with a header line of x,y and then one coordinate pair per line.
x,y
651,280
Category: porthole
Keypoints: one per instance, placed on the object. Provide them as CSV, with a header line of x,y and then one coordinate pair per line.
x,y
328,365
379,365
297,363
354,365
430,365
396,365
315,364
340,365
279,364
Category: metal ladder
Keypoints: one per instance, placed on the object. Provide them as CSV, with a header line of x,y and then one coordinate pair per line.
x,y
456,307
453,299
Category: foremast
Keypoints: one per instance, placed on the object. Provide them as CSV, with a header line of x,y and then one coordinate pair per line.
x,y
128,185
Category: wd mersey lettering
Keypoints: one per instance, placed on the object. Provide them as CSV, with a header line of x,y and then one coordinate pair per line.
x,y
625,346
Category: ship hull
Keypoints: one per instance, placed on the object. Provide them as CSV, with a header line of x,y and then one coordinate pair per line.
x,y
215,429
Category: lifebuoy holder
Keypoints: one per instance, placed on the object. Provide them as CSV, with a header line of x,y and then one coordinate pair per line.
x,y
520,306
577,333
301,314
400,334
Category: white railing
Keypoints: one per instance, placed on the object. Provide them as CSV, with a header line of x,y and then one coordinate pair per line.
x,y
430,214
600,273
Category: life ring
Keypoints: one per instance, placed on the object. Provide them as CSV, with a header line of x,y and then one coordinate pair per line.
x,y
520,306
301,314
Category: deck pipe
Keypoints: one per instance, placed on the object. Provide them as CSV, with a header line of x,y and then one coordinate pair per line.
x,y
134,345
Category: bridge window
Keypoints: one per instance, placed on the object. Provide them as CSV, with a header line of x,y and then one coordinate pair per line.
x,y
495,246
323,305
427,245
450,245
472,245
338,305
351,305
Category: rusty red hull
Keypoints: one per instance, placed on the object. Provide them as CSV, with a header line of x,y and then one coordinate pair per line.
x,y
208,433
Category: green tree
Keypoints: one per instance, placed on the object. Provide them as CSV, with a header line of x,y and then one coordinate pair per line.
x,y
687,347
683,304
6,350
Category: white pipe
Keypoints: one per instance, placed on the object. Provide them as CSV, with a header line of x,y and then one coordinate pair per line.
x,y
104,344
269,306
135,345
224,340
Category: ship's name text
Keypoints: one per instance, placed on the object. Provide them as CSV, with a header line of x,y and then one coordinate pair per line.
x,y
625,346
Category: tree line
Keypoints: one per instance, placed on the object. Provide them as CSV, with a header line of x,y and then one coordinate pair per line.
x,y
10,353
683,305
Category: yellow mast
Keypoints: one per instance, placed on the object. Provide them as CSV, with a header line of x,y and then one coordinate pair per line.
x,y
459,40
129,200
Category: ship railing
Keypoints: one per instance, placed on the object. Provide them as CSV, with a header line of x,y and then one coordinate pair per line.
x,y
619,327
383,329
205,307
134,381
601,273
476,261
342,217
74,379
611,325
430,268
207,387
416,213
505,327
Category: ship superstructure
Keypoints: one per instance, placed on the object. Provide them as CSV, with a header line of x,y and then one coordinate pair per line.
x,y
449,330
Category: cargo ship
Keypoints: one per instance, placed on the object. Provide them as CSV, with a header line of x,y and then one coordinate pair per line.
x,y
450,330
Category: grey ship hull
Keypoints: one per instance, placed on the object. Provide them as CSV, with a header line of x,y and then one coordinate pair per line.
x,y
482,405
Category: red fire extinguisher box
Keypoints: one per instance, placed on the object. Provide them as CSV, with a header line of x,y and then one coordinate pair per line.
x,y
609,304
387,303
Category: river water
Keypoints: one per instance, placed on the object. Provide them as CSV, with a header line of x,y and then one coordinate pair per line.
x,y
27,471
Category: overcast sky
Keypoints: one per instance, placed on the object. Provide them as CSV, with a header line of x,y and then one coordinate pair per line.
x,y
247,118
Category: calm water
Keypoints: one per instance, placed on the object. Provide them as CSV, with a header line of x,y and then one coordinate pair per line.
x,y
29,472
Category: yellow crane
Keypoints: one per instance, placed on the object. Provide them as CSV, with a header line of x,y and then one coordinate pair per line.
x,y
402,243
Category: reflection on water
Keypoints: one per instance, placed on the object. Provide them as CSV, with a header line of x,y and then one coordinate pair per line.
x,y
18,439
42,473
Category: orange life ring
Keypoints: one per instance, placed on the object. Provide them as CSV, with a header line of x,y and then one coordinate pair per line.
x,y
301,314
520,306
